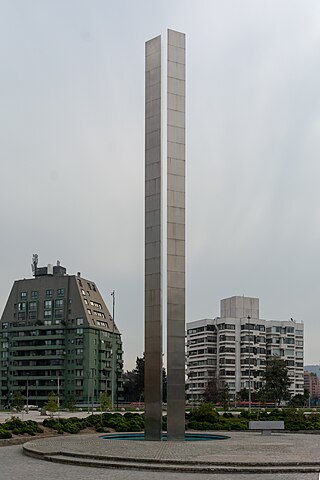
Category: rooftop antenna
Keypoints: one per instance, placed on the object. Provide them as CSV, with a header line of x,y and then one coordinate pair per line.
x,y
34,264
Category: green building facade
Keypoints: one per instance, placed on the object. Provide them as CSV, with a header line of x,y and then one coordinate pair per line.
x,y
57,335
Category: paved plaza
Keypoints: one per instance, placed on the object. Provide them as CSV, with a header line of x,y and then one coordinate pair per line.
x,y
246,454
36,415
243,452
16,466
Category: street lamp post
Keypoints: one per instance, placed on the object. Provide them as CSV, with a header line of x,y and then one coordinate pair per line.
x,y
90,391
58,391
27,400
249,318
88,396
113,294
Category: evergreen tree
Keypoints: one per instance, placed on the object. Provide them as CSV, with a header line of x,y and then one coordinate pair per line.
x,y
52,403
212,391
277,381
133,383
105,402
17,400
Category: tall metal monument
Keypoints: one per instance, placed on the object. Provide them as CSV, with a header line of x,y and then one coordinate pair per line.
x,y
175,218
153,242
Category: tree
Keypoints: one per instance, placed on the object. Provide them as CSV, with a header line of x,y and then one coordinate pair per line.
x,y
277,381
17,400
212,391
225,397
105,402
139,378
52,403
164,385
71,402
133,383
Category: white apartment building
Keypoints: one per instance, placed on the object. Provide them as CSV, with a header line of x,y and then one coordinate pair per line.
x,y
233,348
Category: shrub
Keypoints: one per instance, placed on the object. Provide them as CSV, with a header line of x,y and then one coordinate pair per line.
x,y
100,429
164,422
249,415
237,425
204,413
71,427
5,433
194,425
18,427
312,421
227,415
294,419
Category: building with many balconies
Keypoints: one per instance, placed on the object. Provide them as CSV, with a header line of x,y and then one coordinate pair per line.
x,y
57,335
233,348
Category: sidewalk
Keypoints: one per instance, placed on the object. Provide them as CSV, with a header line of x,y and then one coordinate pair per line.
x,y
35,415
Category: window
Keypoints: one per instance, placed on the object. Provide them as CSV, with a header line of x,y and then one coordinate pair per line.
x,y
48,304
83,292
289,353
58,303
195,330
32,315
288,341
23,295
96,304
32,305
85,301
79,331
34,294
47,314
48,292
60,292
58,313
79,321
22,306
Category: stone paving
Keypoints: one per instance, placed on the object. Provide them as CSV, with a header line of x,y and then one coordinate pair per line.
x,y
242,448
16,466
35,415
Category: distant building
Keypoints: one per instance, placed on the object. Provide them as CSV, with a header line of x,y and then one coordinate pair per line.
x,y
234,347
57,335
311,384
313,369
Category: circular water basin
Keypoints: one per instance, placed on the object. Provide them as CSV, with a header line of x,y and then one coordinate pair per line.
x,y
189,437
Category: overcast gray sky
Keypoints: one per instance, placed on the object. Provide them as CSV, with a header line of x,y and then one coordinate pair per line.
x,y
72,150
